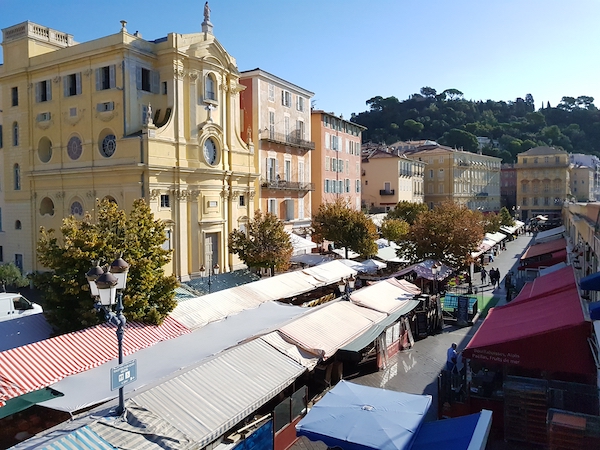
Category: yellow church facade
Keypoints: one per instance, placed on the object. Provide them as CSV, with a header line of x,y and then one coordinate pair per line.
x,y
123,118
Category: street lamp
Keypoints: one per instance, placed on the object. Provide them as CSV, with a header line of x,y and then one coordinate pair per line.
x,y
106,287
214,271
435,269
346,287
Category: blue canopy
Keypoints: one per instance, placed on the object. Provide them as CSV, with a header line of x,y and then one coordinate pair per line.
x,y
590,283
594,310
356,417
460,433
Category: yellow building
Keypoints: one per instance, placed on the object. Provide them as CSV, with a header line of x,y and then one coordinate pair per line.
x,y
389,178
470,179
336,163
121,117
542,181
276,120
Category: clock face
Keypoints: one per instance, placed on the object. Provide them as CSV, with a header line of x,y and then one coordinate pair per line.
x,y
210,152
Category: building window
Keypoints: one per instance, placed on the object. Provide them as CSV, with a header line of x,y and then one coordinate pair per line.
x,y
43,91
74,148
72,84
334,143
47,207
18,225
357,186
287,170
301,172
15,136
300,103
164,90
301,130
300,208
1,254
327,186
272,206
1,143
108,145
524,160
431,174
327,163
17,177
289,209
167,243
45,149
272,168
241,200
106,78
286,98
209,88
76,208
14,94
535,160
546,159
271,92
165,201
271,124
557,159
147,80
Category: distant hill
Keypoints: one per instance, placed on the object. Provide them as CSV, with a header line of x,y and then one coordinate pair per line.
x,y
512,127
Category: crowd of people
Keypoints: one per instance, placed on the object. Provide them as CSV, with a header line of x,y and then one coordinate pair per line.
x,y
494,275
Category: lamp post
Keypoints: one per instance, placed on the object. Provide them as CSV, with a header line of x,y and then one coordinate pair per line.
x,y
346,287
435,269
212,271
106,287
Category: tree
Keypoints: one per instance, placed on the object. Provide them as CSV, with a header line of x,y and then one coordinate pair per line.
x,y
394,229
428,92
491,222
266,245
345,227
505,217
450,233
10,275
414,126
460,139
149,296
407,211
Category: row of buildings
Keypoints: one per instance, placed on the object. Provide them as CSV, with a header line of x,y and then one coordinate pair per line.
x,y
175,122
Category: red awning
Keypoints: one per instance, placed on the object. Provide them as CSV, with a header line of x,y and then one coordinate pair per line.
x,y
545,331
38,365
544,248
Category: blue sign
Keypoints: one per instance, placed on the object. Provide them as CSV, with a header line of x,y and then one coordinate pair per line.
x,y
123,374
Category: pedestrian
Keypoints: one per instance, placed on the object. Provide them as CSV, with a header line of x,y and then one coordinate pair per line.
x,y
451,356
498,278
493,276
483,275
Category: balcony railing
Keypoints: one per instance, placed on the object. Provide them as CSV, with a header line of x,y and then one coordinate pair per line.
x,y
294,138
387,192
287,185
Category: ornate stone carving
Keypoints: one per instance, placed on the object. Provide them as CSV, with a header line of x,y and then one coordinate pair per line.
x,y
60,194
107,116
87,72
44,124
154,194
225,192
193,76
56,79
252,194
90,194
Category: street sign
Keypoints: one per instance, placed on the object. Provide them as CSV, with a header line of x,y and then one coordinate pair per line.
x,y
123,374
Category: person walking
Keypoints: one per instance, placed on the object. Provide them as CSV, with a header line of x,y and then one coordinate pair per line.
x,y
493,277
451,356
483,275
498,278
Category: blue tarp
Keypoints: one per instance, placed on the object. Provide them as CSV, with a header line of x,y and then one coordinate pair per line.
x,y
594,310
460,433
24,330
590,283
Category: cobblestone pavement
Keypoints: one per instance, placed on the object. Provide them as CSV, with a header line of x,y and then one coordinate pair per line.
x,y
416,370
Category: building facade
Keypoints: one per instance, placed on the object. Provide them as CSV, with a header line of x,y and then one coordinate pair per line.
x,y
276,121
388,179
508,187
543,181
593,162
124,118
582,182
336,166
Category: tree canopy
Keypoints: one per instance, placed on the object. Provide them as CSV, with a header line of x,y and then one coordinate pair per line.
x,y
407,211
345,227
511,126
10,275
450,233
394,229
266,243
149,295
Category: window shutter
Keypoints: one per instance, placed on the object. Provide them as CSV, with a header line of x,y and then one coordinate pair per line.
x,y
327,138
49,90
98,79
112,76
327,163
144,114
38,93
154,82
283,97
138,77
276,168
78,83
290,209
66,86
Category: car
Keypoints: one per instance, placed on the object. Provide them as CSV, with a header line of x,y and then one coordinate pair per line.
x,y
14,305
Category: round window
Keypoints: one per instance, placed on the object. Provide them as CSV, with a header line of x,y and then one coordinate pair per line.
x,y
74,148
76,208
109,145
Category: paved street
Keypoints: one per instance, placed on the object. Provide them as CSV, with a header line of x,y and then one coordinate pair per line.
x,y
415,371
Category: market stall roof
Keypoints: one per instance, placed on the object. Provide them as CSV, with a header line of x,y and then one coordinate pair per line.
x,y
386,251
549,235
300,244
547,260
511,229
545,331
356,417
330,327
368,266
544,248
90,388
495,237
38,365
590,283
382,296
406,285
342,252
554,268
311,259
24,330
460,433
423,270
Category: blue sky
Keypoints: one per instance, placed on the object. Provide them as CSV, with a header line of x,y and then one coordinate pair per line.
x,y
347,51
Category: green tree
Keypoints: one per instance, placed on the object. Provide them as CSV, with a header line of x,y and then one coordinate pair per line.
x,y
394,229
150,294
345,227
428,92
460,139
491,222
414,126
505,217
10,275
407,211
450,233
266,245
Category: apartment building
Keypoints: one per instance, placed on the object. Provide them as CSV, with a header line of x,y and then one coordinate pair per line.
x,y
389,178
336,166
593,163
508,186
582,182
543,181
122,118
276,122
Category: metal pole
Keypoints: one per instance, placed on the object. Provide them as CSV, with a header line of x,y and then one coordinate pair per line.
x,y
120,332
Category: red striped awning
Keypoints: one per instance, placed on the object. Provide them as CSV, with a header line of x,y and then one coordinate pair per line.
x,y
38,365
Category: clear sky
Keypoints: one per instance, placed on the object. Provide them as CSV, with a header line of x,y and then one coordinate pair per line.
x,y
348,51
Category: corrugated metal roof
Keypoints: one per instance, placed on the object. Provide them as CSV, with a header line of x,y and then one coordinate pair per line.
x,y
207,401
35,366
81,439
330,327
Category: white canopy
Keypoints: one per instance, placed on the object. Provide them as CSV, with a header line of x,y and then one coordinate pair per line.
x,y
301,245
382,296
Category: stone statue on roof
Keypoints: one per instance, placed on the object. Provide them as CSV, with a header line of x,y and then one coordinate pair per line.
x,y
206,12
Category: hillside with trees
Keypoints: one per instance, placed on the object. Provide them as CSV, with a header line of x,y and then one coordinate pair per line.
x,y
512,127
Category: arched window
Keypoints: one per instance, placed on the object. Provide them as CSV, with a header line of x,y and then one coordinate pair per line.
x,y
17,177
47,207
209,87
17,225
15,134
45,149
76,208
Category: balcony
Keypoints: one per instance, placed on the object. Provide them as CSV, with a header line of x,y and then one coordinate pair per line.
x,y
292,139
283,185
387,192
